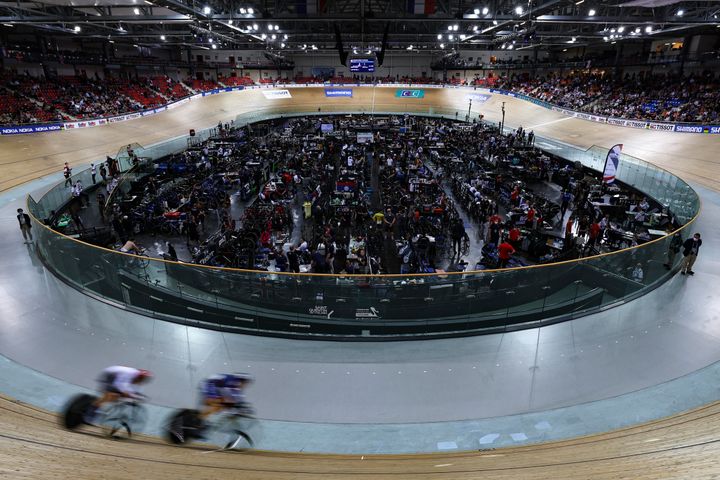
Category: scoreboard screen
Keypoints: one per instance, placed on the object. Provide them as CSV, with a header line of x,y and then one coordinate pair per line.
x,y
362,64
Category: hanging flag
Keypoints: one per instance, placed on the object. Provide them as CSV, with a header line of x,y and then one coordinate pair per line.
x,y
611,163
420,7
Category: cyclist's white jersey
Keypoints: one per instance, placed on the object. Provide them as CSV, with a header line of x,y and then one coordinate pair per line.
x,y
122,378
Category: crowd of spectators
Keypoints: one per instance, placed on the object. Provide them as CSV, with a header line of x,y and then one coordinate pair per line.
x,y
662,97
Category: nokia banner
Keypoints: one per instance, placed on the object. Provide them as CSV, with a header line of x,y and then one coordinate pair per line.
x,y
15,130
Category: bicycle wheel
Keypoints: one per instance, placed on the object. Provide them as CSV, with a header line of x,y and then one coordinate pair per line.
x,y
239,432
127,417
74,412
182,426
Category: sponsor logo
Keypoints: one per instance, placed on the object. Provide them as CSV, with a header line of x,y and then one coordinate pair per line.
x,y
276,94
371,312
410,93
689,128
338,92
715,130
14,130
666,127
321,310
617,121
478,97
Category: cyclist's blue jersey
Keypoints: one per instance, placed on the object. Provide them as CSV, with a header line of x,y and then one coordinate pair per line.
x,y
223,386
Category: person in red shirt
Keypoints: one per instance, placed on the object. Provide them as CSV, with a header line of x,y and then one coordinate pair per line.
x,y
530,215
514,236
505,251
515,196
594,233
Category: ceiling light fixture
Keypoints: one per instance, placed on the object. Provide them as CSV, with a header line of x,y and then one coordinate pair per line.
x,y
592,12
77,28
485,10
476,11
680,12
162,37
251,11
206,10
621,29
439,36
442,45
648,29
519,10
136,11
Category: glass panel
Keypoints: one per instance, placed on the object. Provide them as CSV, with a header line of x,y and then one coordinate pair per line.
x,y
365,304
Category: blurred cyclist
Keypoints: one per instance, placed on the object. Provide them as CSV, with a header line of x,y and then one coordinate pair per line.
x,y
118,382
224,391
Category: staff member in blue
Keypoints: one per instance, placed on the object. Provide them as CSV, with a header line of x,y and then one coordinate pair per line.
x,y
691,247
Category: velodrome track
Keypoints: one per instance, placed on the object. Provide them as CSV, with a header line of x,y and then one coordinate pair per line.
x,y
682,446
25,157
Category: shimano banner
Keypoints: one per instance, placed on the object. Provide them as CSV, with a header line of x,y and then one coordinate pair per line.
x,y
338,92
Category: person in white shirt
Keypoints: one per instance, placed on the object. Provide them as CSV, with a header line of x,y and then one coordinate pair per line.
x,y
117,382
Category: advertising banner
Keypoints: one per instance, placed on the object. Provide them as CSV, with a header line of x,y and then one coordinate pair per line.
x,y
410,93
276,94
611,163
20,129
338,92
478,97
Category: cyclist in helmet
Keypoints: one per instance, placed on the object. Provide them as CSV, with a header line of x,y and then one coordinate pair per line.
x,y
117,382
223,391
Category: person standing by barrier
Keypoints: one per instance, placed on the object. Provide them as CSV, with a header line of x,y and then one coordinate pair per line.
x,y
691,248
67,173
93,172
25,225
675,243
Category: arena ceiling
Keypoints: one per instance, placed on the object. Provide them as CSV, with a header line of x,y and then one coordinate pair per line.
x,y
419,25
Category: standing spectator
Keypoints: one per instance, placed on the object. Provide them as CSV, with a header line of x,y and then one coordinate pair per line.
x,y
691,248
505,251
594,234
568,232
171,253
293,260
457,233
565,204
67,173
25,225
101,204
103,172
93,172
673,249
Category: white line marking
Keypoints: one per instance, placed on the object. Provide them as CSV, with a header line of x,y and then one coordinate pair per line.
x,y
551,122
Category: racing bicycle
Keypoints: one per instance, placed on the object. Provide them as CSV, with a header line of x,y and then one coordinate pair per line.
x,y
229,428
126,415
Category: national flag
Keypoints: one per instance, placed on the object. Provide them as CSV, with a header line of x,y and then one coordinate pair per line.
x,y
420,7
611,163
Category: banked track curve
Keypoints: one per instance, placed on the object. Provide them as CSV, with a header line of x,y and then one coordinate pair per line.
x,y
682,446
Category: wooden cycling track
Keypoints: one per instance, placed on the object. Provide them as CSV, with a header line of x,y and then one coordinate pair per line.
x,y
32,446
685,446
24,157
